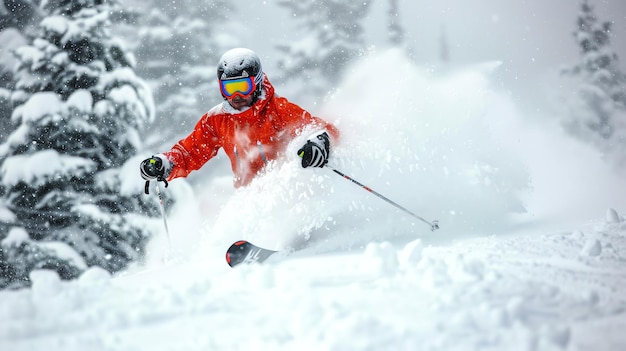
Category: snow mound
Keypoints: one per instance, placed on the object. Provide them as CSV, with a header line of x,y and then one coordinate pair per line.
x,y
534,292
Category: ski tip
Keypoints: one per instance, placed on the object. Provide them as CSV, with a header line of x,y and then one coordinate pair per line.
x,y
243,251
229,257
239,243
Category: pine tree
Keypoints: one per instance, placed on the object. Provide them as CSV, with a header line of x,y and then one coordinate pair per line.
x,y
177,49
6,86
332,37
15,17
600,115
18,13
79,106
395,30
444,48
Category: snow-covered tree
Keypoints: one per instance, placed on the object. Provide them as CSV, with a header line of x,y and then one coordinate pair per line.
x,y
599,115
10,39
79,106
18,13
444,48
177,49
331,36
6,82
395,30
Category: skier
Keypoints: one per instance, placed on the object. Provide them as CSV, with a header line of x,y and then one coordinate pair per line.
x,y
253,125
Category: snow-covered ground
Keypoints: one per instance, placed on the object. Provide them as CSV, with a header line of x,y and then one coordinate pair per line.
x,y
530,254
559,291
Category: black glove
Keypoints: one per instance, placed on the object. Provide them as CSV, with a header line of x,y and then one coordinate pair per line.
x,y
315,152
154,167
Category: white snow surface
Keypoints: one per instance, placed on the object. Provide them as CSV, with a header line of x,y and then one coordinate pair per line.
x,y
530,254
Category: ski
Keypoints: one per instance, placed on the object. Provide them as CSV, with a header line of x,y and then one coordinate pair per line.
x,y
243,251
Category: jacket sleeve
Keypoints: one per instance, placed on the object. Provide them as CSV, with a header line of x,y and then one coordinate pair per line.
x,y
193,151
329,127
300,119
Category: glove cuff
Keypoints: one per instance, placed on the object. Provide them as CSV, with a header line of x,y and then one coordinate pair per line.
x,y
321,139
167,165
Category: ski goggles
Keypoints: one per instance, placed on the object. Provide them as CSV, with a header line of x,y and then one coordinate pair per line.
x,y
242,86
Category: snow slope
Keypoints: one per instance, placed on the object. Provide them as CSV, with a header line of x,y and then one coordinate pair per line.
x,y
530,253
561,291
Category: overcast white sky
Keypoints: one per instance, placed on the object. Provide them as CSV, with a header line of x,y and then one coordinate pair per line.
x,y
533,38
516,30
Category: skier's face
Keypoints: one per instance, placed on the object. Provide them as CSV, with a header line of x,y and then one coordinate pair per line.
x,y
238,102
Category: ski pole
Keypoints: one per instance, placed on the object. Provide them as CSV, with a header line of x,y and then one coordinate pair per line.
x,y
162,206
434,225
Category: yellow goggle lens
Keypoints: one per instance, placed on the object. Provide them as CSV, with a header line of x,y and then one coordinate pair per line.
x,y
241,86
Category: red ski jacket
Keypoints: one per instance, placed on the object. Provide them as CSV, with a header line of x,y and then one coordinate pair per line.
x,y
250,138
